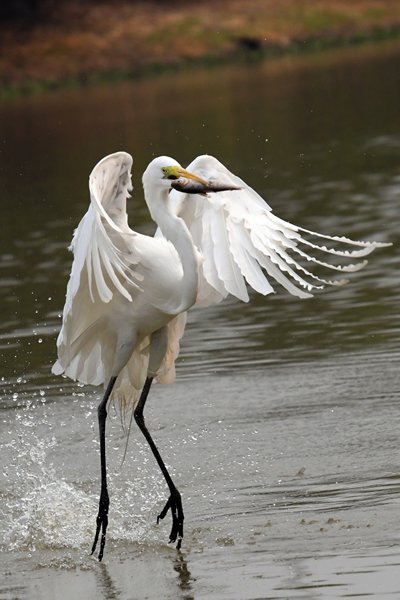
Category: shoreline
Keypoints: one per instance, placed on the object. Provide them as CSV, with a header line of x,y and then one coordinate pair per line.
x,y
68,51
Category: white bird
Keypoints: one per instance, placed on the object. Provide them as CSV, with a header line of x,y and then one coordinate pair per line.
x,y
128,293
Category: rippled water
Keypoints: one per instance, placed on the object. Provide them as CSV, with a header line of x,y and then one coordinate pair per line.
x,y
282,429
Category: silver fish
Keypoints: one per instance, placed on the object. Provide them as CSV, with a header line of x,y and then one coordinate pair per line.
x,y
189,186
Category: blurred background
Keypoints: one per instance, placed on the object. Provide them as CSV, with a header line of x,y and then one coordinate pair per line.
x,y
281,430
46,43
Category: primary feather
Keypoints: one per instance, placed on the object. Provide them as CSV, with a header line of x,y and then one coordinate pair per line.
x,y
239,237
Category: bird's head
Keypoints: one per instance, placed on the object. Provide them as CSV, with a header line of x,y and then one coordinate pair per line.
x,y
166,172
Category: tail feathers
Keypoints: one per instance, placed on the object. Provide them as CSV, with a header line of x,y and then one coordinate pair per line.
x,y
175,329
132,378
89,360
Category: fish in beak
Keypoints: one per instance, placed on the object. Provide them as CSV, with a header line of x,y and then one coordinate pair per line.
x,y
190,183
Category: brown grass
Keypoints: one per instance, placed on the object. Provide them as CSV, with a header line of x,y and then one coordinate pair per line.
x,y
83,40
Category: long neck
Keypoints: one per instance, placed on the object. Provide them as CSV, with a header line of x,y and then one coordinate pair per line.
x,y
175,230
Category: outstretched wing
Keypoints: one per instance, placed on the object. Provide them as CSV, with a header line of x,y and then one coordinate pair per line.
x,y
241,240
104,265
103,241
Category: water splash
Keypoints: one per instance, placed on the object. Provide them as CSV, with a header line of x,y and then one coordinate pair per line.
x,y
53,515
41,510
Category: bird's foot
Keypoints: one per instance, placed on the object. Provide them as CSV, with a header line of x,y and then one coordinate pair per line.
x,y
101,524
174,503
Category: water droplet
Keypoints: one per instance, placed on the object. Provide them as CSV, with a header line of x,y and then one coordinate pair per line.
x,y
40,340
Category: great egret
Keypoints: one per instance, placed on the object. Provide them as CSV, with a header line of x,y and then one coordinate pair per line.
x,y
128,293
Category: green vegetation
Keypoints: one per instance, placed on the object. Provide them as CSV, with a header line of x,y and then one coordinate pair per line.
x,y
318,20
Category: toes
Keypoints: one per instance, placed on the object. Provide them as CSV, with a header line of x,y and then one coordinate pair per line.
x,y
165,509
175,504
101,525
96,536
174,530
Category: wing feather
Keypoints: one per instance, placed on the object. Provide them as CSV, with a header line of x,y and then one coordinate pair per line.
x,y
227,269
246,258
241,240
209,266
105,259
96,247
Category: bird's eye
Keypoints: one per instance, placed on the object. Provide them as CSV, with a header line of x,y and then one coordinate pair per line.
x,y
168,173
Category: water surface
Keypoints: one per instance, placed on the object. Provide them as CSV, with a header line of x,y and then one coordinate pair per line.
x,y
281,431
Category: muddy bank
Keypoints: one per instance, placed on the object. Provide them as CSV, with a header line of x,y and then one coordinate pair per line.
x,y
55,43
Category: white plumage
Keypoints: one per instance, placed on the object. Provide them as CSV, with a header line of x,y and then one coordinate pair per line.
x,y
124,283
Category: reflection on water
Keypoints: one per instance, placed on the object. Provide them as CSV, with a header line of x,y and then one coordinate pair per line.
x,y
185,577
284,444
106,585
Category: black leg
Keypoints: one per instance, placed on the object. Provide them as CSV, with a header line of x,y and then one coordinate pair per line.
x,y
104,502
174,501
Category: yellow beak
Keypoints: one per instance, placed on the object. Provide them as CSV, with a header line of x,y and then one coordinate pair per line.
x,y
189,175
177,172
